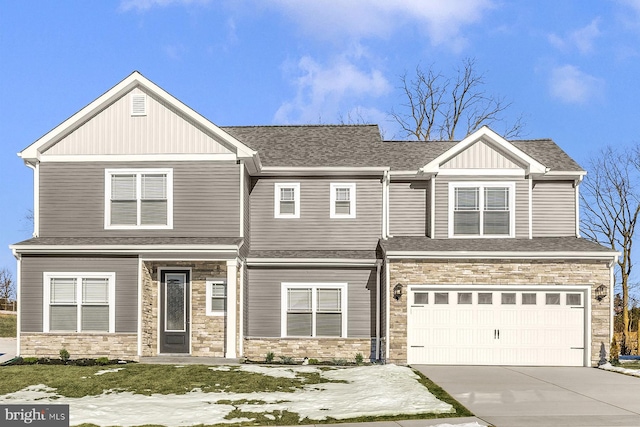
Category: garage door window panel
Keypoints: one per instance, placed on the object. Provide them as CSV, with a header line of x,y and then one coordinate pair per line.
x,y
529,299
421,298
508,298
465,298
441,298
485,298
552,299
574,299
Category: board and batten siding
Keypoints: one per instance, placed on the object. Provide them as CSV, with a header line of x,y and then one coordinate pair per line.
x,y
206,199
162,130
32,286
554,209
263,295
315,230
442,203
408,208
481,156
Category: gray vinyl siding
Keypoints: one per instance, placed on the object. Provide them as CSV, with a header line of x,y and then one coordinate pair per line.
x,y
554,209
32,287
442,204
315,230
206,199
244,250
408,208
265,286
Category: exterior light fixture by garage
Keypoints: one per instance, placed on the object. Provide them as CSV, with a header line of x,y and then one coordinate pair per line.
x,y
397,291
601,292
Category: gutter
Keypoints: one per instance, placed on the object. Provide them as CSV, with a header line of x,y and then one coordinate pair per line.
x,y
309,262
499,255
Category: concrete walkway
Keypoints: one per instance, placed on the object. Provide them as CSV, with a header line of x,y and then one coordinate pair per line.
x,y
542,396
8,347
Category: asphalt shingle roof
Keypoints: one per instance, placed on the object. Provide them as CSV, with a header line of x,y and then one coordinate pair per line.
x,y
537,244
128,241
362,146
314,254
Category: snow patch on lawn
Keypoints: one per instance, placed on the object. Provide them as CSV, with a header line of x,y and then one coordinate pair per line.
x,y
369,391
610,367
277,372
107,371
473,424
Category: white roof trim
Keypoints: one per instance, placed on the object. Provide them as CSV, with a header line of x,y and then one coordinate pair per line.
x,y
500,255
137,157
312,262
320,170
487,135
122,249
32,152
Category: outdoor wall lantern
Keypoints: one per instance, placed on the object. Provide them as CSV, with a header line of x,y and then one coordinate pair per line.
x,y
601,292
397,291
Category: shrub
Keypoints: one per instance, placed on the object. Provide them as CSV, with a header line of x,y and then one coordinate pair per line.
x,y
359,359
102,360
313,362
64,355
286,360
269,357
30,360
614,352
339,362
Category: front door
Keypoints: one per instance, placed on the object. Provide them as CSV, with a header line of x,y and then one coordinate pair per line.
x,y
174,311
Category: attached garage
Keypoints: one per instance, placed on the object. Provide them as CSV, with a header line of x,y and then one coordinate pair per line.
x,y
498,325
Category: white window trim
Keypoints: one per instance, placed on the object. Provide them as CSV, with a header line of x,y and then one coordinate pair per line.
x,y
481,186
314,295
296,199
46,300
352,199
209,310
107,198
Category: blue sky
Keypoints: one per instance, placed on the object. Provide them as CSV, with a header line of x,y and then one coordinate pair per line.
x,y
569,67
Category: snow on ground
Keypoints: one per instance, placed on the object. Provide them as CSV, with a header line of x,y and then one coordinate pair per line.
x,y
609,367
107,371
370,391
473,424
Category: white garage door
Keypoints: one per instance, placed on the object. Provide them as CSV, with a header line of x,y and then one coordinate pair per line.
x,y
497,326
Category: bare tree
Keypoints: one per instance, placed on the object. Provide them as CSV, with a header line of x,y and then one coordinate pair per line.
x,y
610,205
6,286
438,107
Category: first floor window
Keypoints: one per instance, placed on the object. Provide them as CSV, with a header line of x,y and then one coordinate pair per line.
x,y
138,198
314,310
216,297
79,302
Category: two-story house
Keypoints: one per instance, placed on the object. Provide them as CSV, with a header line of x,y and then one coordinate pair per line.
x,y
157,233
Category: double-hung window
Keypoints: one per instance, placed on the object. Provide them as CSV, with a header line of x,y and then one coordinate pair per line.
x,y
216,297
343,200
287,200
314,310
79,302
481,209
138,198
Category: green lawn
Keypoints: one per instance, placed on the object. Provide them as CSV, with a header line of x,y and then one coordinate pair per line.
x,y
79,381
8,325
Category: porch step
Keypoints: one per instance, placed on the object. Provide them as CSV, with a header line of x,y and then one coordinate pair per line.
x,y
174,359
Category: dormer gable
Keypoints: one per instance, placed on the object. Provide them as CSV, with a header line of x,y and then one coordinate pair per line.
x,y
484,150
135,118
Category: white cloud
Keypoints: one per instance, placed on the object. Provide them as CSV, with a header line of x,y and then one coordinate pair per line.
x,y
141,5
571,85
321,90
582,38
442,20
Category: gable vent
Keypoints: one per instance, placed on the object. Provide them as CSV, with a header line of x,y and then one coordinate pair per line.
x,y
138,104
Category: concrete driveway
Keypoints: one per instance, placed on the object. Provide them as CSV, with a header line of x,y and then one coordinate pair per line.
x,y
542,396
7,349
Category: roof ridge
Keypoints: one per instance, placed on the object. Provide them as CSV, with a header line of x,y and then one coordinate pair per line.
x,y
300,126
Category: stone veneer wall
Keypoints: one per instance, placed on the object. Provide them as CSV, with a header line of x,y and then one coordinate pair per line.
x,y
498,272
79,345
207,332
323,349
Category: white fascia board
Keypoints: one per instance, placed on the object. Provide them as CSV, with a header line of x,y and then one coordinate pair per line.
x,y
137,158
517,173
502,255
486,134
310,262
414,175
319,170
33,151
121,249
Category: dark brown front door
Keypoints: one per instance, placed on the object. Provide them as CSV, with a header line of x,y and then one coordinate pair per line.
x,y
174,311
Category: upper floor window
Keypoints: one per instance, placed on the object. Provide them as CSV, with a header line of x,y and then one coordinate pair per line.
x,y
287,200
481,209
79,302
343,200
138,198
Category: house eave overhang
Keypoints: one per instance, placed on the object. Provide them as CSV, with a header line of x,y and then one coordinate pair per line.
x,y
267,171
310,262
32,154
532,255
122,249
485,134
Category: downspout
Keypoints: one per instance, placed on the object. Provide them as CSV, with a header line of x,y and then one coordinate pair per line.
x,y
241,311
387,308
385,204
18,299
378,267
36,196
140,296
578,181
530,207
